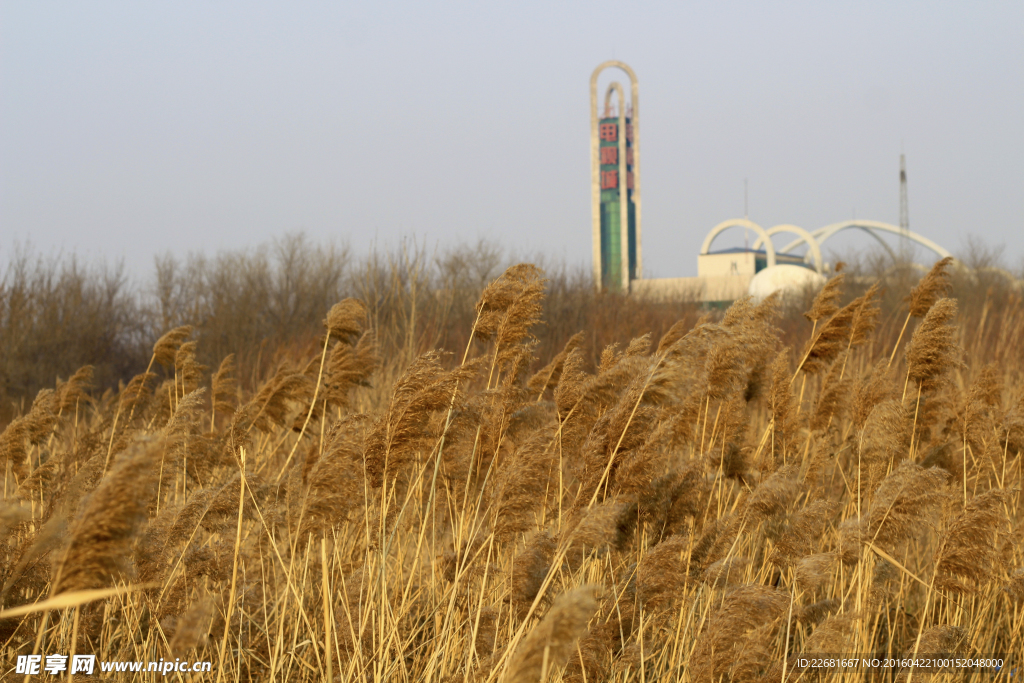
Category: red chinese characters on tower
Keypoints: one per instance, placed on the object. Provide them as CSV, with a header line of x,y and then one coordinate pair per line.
x,y
609,155
609,132
609,180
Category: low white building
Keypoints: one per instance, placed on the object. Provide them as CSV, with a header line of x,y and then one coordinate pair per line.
x,y
728,274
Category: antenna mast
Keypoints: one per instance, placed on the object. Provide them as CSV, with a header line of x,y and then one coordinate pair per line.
x,y
746,215
904,214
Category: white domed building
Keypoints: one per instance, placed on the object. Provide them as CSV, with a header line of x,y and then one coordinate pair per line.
x,y
786,279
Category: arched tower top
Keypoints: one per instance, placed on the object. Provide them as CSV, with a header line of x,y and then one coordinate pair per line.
x,y
614,89
613,63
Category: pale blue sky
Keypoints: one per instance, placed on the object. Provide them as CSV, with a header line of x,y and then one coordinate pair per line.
x,y
127,129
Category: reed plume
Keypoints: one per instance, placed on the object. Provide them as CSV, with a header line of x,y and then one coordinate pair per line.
x,y
192,628
903,503
27,571
548,645
726,572
109,521
938,642
609,523
781,405
645,471
969,549
661,573
134,394
529,569
870,391
346,321
398,434
885,580
350,366
224,387
934,348
976,417
597,649
75,389
507,309
190,515
942,640
271,406
30,429
487,631
547,377
833,337
335,481
673,335
188,370
851,540
774,495
573,382
715,542
466,560
520,485
724,368
150,551
223,508
686,496
883,444
816,612
578,397
834,635
826,302
803,530
932,287
12,514
732,460
744,610
865,316
811,571
510,303
1015,586
166,348
507,410
834,397
756,660
623,429
185,418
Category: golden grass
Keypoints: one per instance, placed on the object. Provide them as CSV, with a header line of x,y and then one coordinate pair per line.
x,y
687,510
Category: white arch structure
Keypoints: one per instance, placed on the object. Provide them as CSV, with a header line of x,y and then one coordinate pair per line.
x,y
815,239
822,234
740,223
815,248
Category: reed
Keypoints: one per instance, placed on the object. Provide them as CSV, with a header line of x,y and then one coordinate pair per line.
x,y
390,500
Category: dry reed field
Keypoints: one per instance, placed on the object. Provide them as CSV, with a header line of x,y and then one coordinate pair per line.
x,y
712,504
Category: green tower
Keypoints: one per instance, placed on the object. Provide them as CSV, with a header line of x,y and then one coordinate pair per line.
x,y
615,153
613,189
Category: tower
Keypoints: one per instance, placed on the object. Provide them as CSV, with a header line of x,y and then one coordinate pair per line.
x,y
904,209
615,183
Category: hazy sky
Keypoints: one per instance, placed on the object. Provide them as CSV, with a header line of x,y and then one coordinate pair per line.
x,y
129,129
